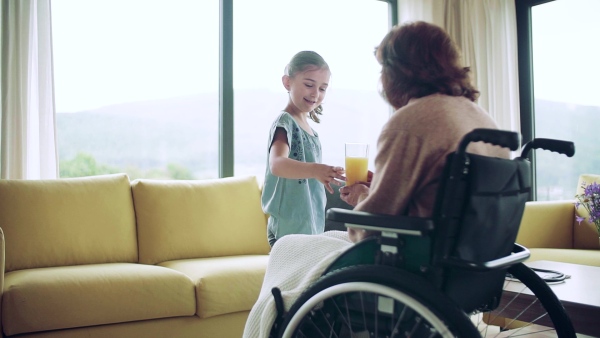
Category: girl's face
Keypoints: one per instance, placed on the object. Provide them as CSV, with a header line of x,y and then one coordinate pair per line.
x,y
307,89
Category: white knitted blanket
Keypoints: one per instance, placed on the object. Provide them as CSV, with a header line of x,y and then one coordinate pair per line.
x,y
294,263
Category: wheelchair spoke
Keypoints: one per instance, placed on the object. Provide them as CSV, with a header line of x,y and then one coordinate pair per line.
x,y
363,313
398,322
363,308
529,308
346,316
414,328
312,328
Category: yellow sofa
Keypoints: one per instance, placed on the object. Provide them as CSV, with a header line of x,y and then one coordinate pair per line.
x,y
550,231
104,256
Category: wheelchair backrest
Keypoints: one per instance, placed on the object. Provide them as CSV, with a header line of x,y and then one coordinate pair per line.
x,y
477,216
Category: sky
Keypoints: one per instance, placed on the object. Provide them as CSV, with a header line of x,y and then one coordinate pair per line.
x,y
112,51
566,51
149,50
145,50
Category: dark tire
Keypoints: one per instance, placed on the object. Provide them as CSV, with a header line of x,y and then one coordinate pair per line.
x,y
536,308
375,301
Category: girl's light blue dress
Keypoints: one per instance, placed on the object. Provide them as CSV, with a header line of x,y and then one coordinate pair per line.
x,y
295,206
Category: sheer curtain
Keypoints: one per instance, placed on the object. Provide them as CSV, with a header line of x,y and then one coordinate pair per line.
x,y
28,143
486,32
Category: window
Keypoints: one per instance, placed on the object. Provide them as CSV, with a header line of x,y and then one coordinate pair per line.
x,y
345,33
137,81
136,85
566,105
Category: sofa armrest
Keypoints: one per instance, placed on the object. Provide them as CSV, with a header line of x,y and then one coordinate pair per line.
x,y
547,224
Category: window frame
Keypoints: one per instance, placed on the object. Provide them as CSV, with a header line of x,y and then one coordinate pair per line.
x,y
525,66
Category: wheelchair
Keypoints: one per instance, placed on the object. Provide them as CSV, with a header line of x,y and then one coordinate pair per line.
x,y
430,277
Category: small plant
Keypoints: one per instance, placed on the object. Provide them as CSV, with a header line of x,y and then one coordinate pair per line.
x,y
590,200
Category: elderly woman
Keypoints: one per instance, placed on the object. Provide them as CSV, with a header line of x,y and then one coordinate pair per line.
x,y
423,79
435,106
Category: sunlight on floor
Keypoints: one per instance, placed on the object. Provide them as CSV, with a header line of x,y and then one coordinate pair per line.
x,y
486,331
528,331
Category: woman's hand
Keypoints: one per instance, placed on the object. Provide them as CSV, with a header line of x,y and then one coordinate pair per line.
x,y
355,193
357,235
369,179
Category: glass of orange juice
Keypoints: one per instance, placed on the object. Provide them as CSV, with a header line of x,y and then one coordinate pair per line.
x,y
357,162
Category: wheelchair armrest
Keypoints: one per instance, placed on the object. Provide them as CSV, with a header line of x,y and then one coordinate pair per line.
x,y
406,225
519,255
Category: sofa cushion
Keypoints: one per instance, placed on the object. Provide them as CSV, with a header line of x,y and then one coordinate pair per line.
x,y
76,296
181,219
224,284
547,224
70,221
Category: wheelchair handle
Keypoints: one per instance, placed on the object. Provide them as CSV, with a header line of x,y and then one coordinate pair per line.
x,y
503,138
558,146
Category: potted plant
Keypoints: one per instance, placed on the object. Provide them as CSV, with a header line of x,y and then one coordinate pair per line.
x,y
590,200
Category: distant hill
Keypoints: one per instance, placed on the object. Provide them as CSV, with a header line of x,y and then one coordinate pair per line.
x,y
557,175
184,131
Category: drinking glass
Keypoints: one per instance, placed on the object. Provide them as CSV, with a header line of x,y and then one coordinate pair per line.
x,y
357,162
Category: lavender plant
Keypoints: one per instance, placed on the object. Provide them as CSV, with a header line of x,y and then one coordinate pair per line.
x,y
590,200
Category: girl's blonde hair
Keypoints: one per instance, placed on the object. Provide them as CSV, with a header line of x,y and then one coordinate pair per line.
x,y
299,63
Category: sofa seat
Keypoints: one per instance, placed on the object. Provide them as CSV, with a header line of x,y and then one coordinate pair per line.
x,y
223,284
86,295
550,230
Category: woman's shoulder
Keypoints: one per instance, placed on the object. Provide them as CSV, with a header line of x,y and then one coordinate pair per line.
x,y
436,115
437,107
436,102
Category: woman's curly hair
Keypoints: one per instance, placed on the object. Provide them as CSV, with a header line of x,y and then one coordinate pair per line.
x,y
420,59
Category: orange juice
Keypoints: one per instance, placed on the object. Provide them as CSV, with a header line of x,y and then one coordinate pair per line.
x,y
356,169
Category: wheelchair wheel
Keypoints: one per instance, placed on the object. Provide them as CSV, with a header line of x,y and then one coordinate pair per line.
x,y
526,312
375,301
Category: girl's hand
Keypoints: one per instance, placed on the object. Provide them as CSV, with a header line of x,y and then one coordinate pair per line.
x,y
355,193
329,175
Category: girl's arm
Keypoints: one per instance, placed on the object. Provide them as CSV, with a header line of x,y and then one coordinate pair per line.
x,y
285,167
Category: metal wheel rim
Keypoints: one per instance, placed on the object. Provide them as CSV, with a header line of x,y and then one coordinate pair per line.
x,y
397,295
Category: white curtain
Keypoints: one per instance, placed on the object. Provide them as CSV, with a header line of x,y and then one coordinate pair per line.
x,y
28,141
486,32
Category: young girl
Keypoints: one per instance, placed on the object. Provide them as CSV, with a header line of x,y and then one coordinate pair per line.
x,y
295,180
